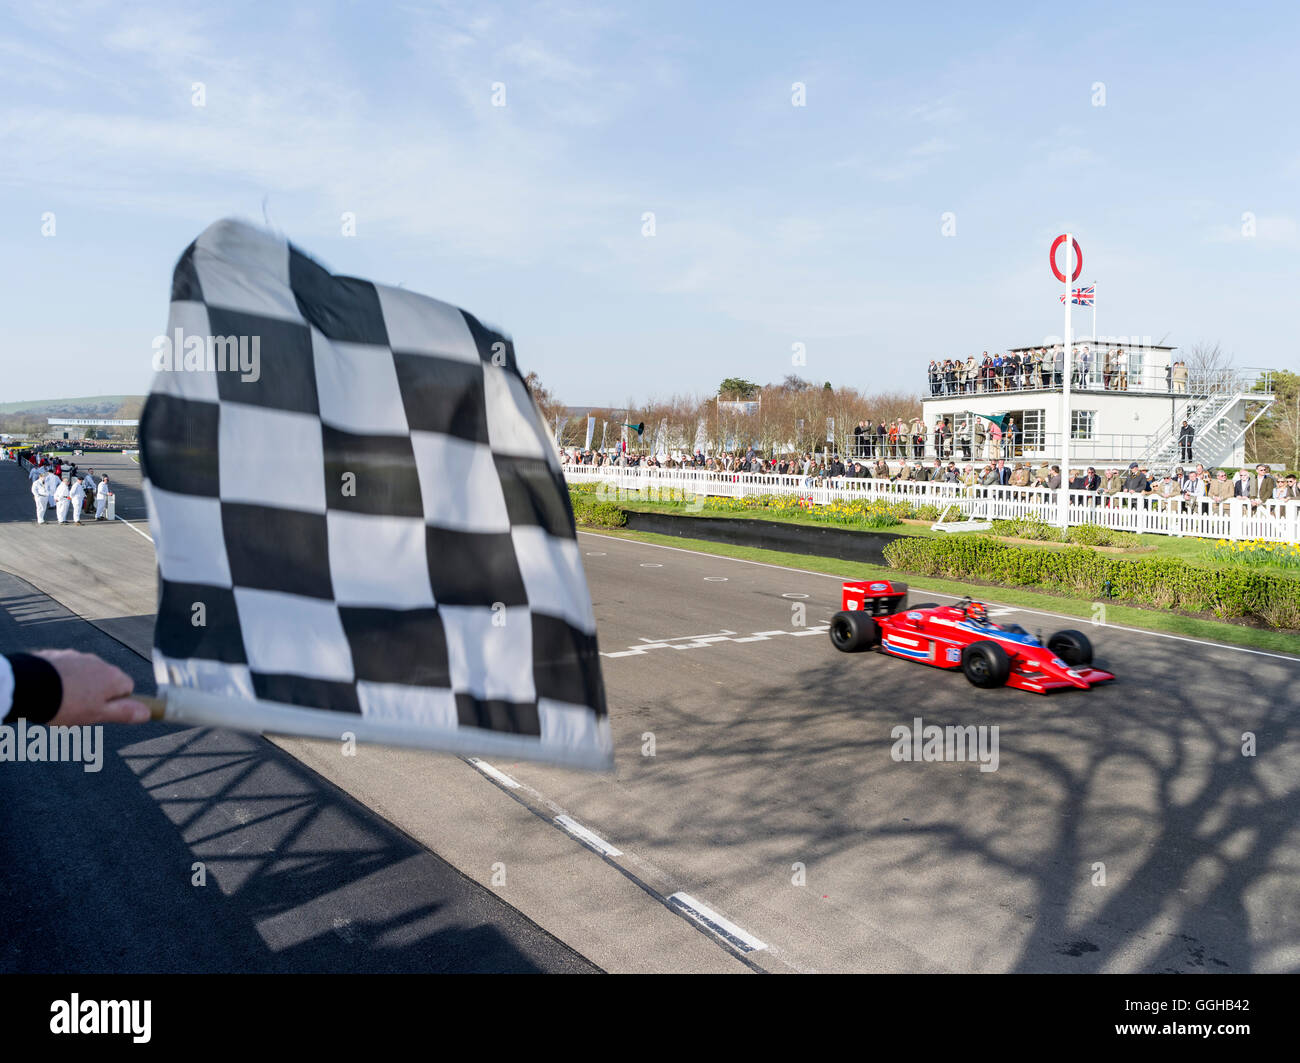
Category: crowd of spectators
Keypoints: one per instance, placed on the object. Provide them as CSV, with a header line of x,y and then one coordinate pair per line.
x,y
1195,490
1041,368
973,438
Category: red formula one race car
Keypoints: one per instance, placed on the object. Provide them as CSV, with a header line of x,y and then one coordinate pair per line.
x,y
875,615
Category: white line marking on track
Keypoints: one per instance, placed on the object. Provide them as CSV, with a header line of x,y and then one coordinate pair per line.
x,y
690,638
494,773
133,528
696,642
594,841
715,579
651,564
957,598
711,920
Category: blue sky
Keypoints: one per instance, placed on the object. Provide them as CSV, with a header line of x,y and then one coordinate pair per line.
x,y
774,224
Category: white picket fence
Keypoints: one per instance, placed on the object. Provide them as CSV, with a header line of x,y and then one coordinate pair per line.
x,y
1274,521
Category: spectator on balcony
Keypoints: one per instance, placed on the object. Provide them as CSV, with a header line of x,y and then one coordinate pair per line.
x,y
971,371
918,438
1178,377
1186,436
1019,476
993,445
1058,367
1121,370
1054,481
1107,370
1077,480
941,438
1082,368
934,377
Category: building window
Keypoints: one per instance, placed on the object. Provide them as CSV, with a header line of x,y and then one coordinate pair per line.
x,y
1030,424
1081,423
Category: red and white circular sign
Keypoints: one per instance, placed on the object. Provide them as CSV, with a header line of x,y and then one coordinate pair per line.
x,y
1078,258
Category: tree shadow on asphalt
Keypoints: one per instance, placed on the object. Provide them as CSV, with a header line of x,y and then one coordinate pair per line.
x,y
1001,869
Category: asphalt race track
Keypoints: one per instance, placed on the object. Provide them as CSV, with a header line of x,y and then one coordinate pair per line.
x,y
1123,829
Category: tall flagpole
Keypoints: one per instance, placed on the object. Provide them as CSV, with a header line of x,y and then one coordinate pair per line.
x,y
1064,493
1094,319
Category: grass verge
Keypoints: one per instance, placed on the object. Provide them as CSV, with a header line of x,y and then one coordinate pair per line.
x,y
1128,616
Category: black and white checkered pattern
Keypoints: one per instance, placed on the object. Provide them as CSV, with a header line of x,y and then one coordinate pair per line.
x,y
376,525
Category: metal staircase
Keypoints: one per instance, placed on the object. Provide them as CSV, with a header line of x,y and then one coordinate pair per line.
x,y
1208,409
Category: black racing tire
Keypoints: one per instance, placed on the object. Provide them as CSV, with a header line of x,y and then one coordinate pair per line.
x,y
1072,647
853,632
986,664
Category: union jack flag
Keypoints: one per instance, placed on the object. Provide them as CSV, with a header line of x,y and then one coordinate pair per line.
x,y
1080,296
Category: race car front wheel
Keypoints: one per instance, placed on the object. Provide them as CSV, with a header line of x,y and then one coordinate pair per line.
x,y
1072,647
853,632
986,664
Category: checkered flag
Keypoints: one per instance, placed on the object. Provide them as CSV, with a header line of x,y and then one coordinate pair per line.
x,y
360,520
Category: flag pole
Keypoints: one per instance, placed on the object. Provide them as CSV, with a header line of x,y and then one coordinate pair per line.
x,y
1064,491
197,708
1094,319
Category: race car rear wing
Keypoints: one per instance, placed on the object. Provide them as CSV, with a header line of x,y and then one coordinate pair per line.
x,y
875,597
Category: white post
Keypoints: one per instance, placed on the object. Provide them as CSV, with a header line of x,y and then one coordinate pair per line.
x,y
1065,391
1094,319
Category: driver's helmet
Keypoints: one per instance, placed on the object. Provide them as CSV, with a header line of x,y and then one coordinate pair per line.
x,y
978,612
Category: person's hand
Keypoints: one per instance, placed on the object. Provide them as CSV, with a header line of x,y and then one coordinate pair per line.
x,y
94,691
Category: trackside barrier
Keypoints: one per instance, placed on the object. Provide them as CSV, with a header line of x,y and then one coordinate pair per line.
x,y
1235,519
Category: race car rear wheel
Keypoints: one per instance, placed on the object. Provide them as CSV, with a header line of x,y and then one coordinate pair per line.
x,y
853,632
1072,647
986,664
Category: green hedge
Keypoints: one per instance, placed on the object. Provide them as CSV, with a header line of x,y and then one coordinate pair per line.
x,y
1080,534
590,512
1162,582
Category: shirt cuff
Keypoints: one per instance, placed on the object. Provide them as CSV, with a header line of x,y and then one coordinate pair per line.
x,y
34,688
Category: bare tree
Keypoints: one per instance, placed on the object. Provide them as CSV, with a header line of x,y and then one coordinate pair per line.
x,y
1208,365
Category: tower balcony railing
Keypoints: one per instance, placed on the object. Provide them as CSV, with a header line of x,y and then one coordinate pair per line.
x,y
1141,380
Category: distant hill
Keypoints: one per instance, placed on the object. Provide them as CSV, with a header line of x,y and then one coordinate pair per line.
x,y
89,406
